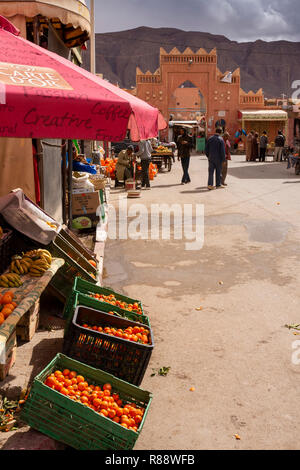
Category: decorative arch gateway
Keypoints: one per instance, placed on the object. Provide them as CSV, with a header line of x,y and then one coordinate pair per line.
x,y
223,98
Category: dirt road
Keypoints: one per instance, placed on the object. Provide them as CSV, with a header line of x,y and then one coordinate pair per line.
x,y
235,351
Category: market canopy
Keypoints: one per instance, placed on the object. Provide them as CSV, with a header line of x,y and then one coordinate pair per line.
x,y
71,15
43,95
264,115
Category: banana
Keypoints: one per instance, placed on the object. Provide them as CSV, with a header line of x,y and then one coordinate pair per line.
x,y
18,263
37,271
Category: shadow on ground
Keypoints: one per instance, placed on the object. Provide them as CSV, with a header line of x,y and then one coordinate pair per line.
x,y
264,171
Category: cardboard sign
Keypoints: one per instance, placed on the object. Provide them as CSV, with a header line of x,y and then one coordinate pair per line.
x,y
38,77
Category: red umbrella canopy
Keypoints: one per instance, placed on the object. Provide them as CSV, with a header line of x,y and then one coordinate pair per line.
x,y
43,95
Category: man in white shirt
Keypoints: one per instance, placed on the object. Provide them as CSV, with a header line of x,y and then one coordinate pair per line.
x,y
145,150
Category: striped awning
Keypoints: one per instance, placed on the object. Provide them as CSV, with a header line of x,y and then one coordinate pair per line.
x,y
264,115
73,14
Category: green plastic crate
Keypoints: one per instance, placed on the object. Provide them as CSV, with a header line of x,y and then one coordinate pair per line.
x,y
74,424
84,287
76,298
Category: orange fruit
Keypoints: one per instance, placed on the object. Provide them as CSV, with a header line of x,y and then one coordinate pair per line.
x,y
6,312
7,299
107,387
57,373
66,372
104,413
116,419
11,306
50,381
72,374
112,414
80,379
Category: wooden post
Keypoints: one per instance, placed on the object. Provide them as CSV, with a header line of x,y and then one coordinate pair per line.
x,y
70,185
64,180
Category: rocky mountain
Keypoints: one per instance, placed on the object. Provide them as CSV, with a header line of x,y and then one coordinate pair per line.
x,y
272,66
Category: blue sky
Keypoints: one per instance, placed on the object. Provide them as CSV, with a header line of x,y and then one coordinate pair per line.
x,y
239,20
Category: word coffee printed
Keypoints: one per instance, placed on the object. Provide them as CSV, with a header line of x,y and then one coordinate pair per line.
x,y
25,75
159,222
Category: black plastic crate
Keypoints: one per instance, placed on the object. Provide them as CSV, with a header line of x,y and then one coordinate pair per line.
x,y
122,358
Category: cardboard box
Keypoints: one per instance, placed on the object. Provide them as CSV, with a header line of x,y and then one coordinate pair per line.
x,y
84,208
85,203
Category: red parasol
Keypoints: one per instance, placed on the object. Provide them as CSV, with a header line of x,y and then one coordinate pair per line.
x,y
43,95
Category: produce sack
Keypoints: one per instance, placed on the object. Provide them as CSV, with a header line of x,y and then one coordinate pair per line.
x,y
25,217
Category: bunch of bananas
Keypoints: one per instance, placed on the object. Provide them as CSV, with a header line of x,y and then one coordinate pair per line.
x,y
20,265
10,280
40,262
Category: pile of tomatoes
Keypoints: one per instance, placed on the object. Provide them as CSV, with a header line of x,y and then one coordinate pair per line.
x,y
137,334
7,306
111,299
100,399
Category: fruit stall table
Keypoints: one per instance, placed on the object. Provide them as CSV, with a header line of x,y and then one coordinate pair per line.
x,y
160,157
26,296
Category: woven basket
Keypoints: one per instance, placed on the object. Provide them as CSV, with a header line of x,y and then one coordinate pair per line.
x,y
98,181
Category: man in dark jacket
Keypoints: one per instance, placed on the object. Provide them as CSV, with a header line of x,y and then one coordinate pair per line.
x,y
279,144
215,152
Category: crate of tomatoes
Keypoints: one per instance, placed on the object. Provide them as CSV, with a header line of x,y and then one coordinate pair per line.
x,y
85,408
119,346
76,299
108,296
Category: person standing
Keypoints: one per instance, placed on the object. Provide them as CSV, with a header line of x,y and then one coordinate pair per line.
x,y
255,144
279,144
228,157
215,152
263,144
144,152
249,146
184,146
123,166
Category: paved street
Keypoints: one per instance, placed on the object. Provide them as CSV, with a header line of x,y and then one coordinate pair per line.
x,y
235,351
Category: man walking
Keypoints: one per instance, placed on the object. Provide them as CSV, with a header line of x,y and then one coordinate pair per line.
x,y
263,144
215,152
145,150
279,144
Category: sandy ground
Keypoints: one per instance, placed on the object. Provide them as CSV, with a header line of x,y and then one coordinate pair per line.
x,y
235,351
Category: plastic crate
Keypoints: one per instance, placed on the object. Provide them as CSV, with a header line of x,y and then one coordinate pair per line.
x,y
74,266
76,299
7,249
84,287
124,359
74,424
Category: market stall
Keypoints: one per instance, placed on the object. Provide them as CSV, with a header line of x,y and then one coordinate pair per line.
x,y
43,96
163,157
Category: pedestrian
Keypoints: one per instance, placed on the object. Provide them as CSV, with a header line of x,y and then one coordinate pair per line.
x,y
279,144
255,146
215,152
228,157
184,146
263,144
144,152
249,146
124,166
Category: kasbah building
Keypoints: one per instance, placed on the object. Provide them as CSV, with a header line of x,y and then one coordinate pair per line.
x,y
188,86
